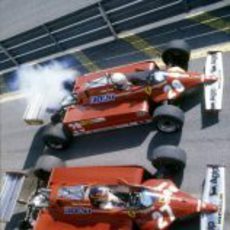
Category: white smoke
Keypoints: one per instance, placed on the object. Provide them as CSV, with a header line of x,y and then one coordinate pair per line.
x,y
46,81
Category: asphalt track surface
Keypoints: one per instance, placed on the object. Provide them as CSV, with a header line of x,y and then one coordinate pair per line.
x,y
206,139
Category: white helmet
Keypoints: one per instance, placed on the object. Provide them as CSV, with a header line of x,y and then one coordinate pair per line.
x,y
120,80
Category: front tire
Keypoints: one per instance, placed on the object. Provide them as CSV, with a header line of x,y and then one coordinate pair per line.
x,y
168,157
168,118
56,136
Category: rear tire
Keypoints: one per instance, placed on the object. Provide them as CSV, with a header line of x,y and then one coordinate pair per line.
x,y
168,157
56,137
168,118
45,164
177,53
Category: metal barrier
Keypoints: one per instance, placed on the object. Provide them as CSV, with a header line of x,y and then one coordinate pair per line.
x,y
10,190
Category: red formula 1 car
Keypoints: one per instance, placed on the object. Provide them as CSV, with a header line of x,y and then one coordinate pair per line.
x,y
133,94
118,197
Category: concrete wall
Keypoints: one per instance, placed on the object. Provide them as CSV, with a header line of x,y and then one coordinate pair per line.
x,y
17,16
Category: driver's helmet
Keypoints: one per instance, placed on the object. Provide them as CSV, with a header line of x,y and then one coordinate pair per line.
x,y
119,80
99,193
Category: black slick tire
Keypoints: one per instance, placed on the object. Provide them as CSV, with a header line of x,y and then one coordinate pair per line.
x,y
177,53
168,118
169,157
45,164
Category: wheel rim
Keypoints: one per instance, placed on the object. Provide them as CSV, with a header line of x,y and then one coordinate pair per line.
x,y
167,125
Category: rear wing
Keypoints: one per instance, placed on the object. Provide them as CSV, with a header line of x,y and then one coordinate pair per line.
x,y
33,114
214,192
37,111
214,92
10,190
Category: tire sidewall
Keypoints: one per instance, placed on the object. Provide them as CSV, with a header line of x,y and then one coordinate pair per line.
x,y
57,137
176,127
168,155
171,114
52,141
45,164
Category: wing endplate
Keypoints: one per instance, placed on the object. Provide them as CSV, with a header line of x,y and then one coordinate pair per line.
x,y
214,193
213,92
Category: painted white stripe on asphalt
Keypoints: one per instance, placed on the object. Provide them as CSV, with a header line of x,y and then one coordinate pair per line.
x,y
11,97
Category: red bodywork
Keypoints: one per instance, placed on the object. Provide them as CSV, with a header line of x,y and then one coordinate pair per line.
x,y
125,107
171,203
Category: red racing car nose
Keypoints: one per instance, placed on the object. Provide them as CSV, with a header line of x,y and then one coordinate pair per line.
x,y
208,208
210,78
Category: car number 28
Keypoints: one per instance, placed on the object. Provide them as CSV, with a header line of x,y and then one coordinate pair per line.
x,y
173,89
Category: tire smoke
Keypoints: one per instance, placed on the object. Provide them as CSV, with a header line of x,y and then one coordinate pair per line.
x,y
46,82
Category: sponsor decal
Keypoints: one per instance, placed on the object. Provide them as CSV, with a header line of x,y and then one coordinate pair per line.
x,y
178,86
217,197
220,211
77,210
213,95
213,63
211,225
170,91
132,213
148,90
102,98
76,126
174,89
93,121
86,122
106,90
164,216
214,181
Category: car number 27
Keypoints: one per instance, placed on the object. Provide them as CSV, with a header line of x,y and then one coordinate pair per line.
x,y
164,216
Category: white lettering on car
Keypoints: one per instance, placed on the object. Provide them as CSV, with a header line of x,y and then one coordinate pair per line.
x,y
102,98
173,89
178,86
162,216
77,210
